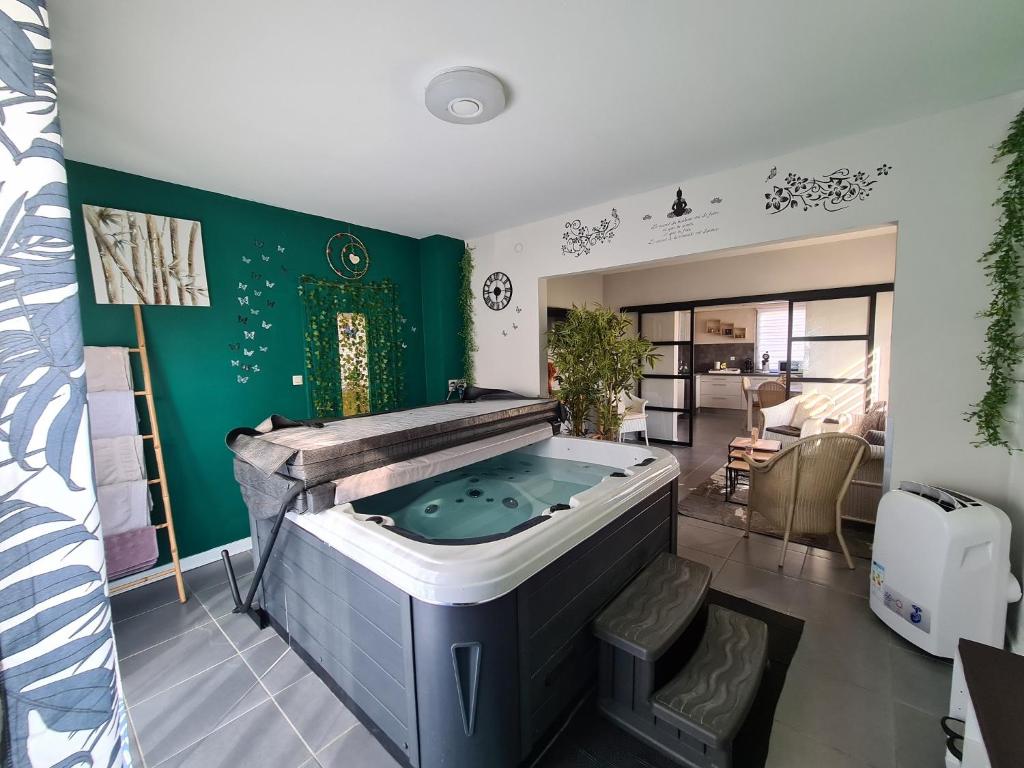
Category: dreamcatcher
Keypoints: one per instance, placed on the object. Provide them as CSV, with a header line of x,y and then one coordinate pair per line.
x,y
347,256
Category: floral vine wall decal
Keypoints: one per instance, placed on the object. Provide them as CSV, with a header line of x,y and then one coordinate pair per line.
x,y
578,239
833,192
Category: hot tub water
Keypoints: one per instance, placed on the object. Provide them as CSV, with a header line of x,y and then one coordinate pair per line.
x,y
484,499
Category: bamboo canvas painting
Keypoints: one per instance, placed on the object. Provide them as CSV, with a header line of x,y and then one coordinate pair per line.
x,y
139,258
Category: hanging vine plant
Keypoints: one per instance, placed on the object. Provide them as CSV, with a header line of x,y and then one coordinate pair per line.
x,y
1004,342
466,311
377,303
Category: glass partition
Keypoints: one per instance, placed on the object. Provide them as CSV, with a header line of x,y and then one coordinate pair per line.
x,y
835,317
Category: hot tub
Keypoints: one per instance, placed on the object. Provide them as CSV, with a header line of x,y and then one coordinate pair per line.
x,y
452,612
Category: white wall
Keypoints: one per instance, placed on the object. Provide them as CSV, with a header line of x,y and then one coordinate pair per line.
x,y
860,261
575,290
939,190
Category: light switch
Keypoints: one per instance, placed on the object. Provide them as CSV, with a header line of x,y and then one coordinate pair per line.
x,y
296,381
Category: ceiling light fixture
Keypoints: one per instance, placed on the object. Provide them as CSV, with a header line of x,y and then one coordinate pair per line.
x,y
465,95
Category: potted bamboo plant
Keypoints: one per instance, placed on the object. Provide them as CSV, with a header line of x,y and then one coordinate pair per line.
x,y
596,360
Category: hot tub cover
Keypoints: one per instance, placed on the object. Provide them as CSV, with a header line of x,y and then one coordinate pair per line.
x,y
280,450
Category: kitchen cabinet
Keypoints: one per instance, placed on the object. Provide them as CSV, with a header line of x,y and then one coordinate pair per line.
x,y
723,390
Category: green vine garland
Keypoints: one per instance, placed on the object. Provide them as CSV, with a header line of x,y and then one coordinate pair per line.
x,y
467,331
1004,344
322,301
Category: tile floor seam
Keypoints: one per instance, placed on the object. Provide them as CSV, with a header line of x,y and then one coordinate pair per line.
x,y
135,733
273,698
335,740
181,682
172,637
220,727
140,613
241,714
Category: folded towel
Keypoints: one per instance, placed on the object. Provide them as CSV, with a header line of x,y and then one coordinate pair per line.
x,y
124,506
118,459
107,369
112,414
130,552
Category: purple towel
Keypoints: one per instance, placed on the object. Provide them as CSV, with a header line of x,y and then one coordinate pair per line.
x,y
130,552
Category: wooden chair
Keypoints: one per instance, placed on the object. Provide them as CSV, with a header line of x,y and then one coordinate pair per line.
x,y
801,488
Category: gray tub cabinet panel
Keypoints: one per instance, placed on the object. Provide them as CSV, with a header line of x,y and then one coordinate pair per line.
x,y
466,679
459,686
354,625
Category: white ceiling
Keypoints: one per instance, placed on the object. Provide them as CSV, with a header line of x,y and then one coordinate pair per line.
x,y
317,105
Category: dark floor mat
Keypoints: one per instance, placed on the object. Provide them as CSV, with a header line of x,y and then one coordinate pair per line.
x,y
707,502
590,741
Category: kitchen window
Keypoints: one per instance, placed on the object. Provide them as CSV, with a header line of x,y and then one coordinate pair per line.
x,y
773,333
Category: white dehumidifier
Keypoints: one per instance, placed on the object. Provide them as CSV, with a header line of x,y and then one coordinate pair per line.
x,y
940,568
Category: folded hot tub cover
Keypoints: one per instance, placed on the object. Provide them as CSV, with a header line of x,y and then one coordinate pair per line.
x,y
278,451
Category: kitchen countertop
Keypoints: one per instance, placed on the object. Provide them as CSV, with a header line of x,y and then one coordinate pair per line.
x,y
754,374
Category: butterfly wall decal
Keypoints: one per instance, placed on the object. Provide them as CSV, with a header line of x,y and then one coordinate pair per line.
x,y
265,258
270,303
257,293
243,319
246,260
270,284
234,363
242,300
263,349
234,347
255,369
256,275
254,311
258,243
280,249
247,352
250,334
266,326
242,379
243,286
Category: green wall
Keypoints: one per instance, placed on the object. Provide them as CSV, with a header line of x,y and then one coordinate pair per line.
x,y
198,396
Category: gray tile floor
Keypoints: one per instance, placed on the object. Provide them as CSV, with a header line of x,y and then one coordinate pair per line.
x,y
206,689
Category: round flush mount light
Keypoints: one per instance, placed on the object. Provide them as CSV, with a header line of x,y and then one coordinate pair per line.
x,y
465,95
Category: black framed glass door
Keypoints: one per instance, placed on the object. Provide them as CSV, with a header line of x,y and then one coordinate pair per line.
x,y
831,346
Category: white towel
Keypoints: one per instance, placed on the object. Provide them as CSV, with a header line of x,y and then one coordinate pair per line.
x,y
124,506
112,414
118,459
107,369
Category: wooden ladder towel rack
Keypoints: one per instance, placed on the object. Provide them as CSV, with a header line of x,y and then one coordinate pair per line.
x,y
161,478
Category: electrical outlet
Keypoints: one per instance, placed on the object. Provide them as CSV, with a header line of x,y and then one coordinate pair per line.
x,y
296,381
454,384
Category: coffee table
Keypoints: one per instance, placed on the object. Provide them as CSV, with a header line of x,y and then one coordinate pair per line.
x,y
736,464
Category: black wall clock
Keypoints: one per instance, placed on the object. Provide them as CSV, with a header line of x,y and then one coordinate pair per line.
x,y
497,290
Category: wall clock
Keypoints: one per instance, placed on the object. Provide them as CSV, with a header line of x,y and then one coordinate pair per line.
x,y
497,290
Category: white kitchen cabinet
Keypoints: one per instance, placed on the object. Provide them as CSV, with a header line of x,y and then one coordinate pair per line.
x,y
719,391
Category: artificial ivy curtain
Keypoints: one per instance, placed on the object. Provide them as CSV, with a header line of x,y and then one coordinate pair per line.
x,y
323,301
60,701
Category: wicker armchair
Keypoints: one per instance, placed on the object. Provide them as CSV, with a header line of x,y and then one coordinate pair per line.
x,y
771,393
801,488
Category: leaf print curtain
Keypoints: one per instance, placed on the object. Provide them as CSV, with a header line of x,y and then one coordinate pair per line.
x,y
323,301
61,701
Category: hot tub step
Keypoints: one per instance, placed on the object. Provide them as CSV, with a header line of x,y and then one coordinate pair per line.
x,y
652,613
710,697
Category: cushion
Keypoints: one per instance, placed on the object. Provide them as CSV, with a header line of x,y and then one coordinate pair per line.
x,y
812,406
874,419
875,437
784,430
